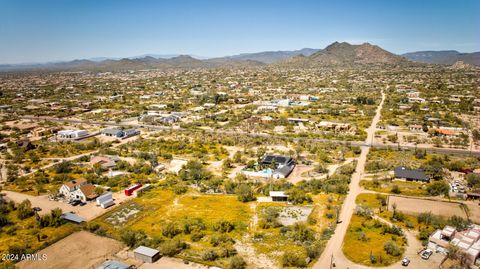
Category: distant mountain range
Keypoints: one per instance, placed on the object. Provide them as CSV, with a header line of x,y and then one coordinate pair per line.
x,y
345,54
443,57
148,62
336,54
269,57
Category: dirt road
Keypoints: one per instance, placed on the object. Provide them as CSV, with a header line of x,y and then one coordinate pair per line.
x,y
334,245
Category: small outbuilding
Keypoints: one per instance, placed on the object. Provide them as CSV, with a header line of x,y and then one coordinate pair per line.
x,y
146,254
114,264
72,218
105,200
278,196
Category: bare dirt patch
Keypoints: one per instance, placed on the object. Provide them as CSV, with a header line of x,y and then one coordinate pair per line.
x,y
417,206
79,250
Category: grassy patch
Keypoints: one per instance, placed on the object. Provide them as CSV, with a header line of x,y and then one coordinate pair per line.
x,y
371,200
158,209
26,235
365,239
386,186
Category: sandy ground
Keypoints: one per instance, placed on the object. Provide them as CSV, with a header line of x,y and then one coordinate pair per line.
x,y
296,175
88,212
171,263
416,206
474,210
79,250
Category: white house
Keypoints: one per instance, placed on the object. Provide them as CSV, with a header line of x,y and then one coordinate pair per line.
x,y
78,189
72,134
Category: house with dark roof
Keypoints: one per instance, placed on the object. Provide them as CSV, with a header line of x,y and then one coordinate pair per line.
x,y
283,165
25,144
407,174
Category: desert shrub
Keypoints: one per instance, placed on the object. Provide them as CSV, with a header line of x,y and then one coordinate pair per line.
x,y
364,211
132,238
244,193
193,225
210,255
216,240
223,226
438,188
172,247
237,262
298,196
171,230
392,248
24,209
314,250
395,230
301,233
395,189
197,236
226,251
291,258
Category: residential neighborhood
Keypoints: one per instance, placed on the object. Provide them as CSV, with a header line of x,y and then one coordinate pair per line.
x,y
163,135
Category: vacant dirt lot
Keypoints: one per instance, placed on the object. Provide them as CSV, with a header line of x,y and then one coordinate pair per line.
x,y
79,250
416,206
88,212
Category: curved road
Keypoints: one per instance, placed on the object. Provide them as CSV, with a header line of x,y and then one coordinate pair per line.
x,y
334,246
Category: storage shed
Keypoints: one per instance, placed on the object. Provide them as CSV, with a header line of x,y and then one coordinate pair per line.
x,y
105,200
72,218
146,254
278,196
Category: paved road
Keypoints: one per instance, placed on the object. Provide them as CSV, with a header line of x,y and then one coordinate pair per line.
x,y
334,245
365,143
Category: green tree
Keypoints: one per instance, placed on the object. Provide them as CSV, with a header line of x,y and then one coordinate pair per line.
x,y
473,180
24,209
194,171
438,188
244,193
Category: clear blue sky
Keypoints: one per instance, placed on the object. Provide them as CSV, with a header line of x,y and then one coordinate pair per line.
x,y
47,30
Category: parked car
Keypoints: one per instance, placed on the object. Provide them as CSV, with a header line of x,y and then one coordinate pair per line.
x,y
426,254
37,209
405,261
82,203
76,202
